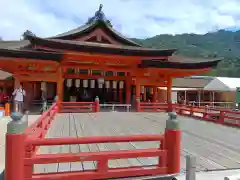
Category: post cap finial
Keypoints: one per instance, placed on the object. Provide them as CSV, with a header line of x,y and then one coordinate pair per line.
x,y
172,115
16,116
96,98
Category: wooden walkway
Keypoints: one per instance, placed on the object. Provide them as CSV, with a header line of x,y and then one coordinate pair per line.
x,y
215,146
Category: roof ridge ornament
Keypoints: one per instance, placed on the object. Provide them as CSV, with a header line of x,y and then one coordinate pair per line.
x,y
99,16
28,33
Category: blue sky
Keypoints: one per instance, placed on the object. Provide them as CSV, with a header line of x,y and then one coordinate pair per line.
x,y
133,18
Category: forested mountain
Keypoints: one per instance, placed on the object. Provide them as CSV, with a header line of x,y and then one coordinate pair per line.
x,y
221,44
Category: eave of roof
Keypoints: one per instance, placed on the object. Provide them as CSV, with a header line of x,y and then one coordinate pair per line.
x,y
30,54
99,48
58,56
179,65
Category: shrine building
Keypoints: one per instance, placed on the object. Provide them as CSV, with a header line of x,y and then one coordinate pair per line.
x,y
95,60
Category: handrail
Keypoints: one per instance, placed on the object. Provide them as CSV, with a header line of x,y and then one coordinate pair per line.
x,y
78,107
217,115
43,121
128,106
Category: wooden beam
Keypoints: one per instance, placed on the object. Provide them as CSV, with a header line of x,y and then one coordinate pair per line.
x,y
101,58
100,67
36,78
85,76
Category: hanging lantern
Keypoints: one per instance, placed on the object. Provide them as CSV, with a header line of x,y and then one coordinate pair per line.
x,y
121,84
100,86
69,82
114,84
43,86
142,89
77,83
92,85
107,84
85,83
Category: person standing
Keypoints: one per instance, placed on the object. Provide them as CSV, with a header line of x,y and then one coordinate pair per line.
x,y
19,95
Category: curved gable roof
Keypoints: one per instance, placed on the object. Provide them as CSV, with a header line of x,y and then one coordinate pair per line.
x,y
97,21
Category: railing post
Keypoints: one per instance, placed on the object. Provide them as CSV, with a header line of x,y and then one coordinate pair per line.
x,y
15,147
7,109
221,117
28,151
190,167
97,106
191,113
172,143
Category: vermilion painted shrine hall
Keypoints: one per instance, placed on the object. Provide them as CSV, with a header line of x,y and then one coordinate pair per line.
x,y
95,60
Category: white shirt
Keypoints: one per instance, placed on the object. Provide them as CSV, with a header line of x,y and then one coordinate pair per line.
x,y
19,94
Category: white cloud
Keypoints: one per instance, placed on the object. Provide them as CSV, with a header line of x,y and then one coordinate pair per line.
x,y
134,18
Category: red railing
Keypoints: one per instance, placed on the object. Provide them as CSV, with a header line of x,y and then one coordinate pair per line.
x,y
79,107
152,107
216,115
39,128
21,154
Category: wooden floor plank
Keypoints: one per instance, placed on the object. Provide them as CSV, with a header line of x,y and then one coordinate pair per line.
x,y
63,167
133,125
87,165
56,149
102,128
41,168
88,130
113,130
75,166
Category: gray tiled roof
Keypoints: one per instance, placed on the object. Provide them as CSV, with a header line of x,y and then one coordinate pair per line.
x,y
14,44
191,82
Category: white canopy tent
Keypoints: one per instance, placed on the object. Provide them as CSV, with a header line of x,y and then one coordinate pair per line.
x,y
223,84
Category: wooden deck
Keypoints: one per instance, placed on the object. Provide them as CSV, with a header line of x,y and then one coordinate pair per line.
x,y
215,146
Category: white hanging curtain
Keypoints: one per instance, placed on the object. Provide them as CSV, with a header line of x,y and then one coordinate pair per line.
x,y
77,83
121,84
107,84
43,86
85,83
76,71
92,84
100,85
114,84
151,90
142,89
69,82
100,82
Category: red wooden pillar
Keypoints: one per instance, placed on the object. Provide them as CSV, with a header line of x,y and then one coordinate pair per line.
x,y
138,96
155,94
121,96
128,92
60,81
169,94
